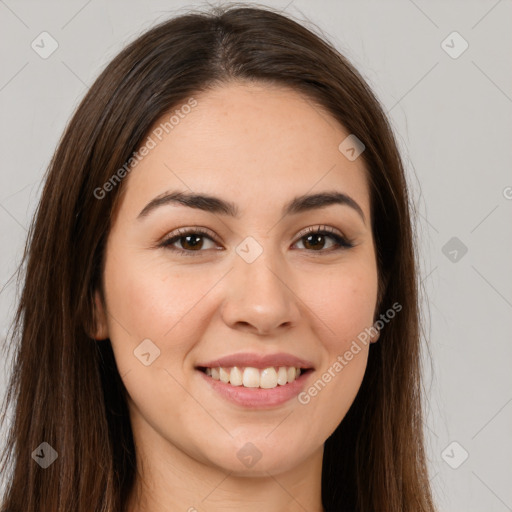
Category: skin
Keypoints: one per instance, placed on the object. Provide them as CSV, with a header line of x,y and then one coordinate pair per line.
x,y
258,146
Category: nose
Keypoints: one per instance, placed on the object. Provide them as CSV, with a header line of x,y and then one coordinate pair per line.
x,y
260,298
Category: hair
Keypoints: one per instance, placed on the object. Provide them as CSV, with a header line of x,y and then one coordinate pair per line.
x,y
65,388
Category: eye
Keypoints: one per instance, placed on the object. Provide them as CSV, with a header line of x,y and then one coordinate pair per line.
x,y
191,240
314,239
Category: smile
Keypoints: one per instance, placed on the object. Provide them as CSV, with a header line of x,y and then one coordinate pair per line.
x,y
247,389
256,381
249,377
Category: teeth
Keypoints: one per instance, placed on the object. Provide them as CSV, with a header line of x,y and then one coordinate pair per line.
x,y
268,378
250,377
282,376
235,376
224,375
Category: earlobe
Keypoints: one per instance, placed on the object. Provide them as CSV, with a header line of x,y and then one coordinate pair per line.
x,y
376,337
100,318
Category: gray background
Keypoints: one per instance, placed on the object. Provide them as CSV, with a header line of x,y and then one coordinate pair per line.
x,y
452,117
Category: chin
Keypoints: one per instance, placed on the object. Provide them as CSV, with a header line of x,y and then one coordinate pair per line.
x,y
250,457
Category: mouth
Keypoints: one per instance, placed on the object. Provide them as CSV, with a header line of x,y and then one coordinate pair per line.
x,y
251,377
256,381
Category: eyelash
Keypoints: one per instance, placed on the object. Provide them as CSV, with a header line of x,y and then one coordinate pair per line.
x,y
341,242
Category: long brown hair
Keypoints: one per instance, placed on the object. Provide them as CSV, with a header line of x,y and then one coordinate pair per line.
x,y
65,388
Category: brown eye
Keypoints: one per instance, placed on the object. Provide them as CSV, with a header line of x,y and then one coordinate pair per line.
x,y
191,241
317,239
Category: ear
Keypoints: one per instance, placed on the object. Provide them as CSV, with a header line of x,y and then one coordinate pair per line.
x,y
100,331
376,337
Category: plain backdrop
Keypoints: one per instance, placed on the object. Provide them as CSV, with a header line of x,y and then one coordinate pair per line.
x,y
449,99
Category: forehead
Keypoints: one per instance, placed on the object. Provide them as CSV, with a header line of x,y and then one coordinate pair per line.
x,y
254,144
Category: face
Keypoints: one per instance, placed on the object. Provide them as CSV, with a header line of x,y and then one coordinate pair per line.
x,y
278,287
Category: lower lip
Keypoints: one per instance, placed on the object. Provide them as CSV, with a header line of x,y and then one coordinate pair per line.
x,y
258,398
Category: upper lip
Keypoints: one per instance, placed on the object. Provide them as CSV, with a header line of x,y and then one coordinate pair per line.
x,y
258,361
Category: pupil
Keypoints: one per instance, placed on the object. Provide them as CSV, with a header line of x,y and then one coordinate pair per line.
x,y
318,238
195,243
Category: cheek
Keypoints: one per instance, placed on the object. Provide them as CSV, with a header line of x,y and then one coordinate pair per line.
x,y
343,305
156,302
344,302
149,299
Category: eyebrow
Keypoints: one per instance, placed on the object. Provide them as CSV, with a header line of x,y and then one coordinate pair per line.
x,y
217,205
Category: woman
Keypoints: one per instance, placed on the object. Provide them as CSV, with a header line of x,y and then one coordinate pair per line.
x,y
220,300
